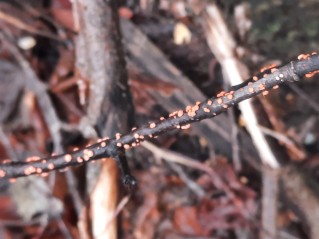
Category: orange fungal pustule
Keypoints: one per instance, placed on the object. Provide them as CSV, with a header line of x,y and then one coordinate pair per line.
x,y
67,158
2,173
267,67
311,74
303,56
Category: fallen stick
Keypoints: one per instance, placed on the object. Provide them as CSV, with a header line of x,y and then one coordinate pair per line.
x,y
181,119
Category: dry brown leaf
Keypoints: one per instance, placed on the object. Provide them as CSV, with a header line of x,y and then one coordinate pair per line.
x,y
187,223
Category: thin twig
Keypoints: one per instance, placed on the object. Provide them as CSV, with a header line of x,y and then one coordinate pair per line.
x,y
283,139
223,45
39,89
21,25
193,186
180,119
269,202
51,118
117,211
313,104
175,157
172,158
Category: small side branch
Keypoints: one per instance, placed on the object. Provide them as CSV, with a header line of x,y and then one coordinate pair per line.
x,y
179,119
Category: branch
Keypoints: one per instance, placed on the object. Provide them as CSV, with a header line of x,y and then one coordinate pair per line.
x,y
181,119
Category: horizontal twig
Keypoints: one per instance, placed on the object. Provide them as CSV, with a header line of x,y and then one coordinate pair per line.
x,y
181,119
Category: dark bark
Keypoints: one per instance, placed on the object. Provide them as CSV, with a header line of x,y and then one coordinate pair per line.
x,y
110,104
180,119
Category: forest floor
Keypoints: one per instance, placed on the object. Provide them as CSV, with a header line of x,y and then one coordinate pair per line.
x,y
222,194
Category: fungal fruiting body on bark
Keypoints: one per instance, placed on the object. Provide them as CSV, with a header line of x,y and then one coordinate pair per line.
x,y
270,78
